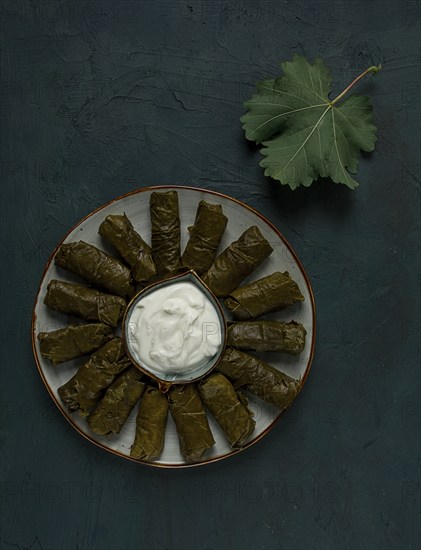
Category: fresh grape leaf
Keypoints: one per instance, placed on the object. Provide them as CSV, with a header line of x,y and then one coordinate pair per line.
x,y
304,134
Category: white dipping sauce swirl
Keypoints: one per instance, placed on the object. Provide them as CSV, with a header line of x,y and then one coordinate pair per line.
x,y
174,329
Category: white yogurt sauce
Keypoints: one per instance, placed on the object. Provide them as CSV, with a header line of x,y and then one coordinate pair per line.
x,y
174,329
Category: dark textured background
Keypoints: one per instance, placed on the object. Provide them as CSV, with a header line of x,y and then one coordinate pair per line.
x,y
99,98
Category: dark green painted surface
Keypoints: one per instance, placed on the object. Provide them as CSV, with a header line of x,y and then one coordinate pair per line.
x,y
99,98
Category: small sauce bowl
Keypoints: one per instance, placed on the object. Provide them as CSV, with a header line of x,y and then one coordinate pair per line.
x,y
166,380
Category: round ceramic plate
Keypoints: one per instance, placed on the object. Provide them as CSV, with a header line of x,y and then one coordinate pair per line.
x,y
240,216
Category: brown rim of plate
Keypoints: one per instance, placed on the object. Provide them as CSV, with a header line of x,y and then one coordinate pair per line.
x,y
233,451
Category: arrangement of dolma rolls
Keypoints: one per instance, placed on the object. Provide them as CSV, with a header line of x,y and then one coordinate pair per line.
x,y
106,388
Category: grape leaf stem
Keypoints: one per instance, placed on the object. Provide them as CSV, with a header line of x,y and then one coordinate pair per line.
x,y
373,69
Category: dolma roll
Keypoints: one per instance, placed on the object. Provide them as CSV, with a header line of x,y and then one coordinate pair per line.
x,y
190,420
96,267
119,231
165,223
237,261
250,373
151,423
272,293
84,390
118,402
84,302
73,341
205,236
267,336
229,409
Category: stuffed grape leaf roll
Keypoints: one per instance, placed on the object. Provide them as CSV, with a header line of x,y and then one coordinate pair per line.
x,y
151,422
250,373
165,224
267,336
73,341
119,231
237,261
83,391
84,302
271,293
229,408
118,402
205,236
191,422
96,267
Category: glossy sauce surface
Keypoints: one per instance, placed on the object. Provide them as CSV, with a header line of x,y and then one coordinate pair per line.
x,y
174,329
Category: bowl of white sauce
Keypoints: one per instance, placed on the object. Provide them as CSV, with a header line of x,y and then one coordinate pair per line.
x,y
175,330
